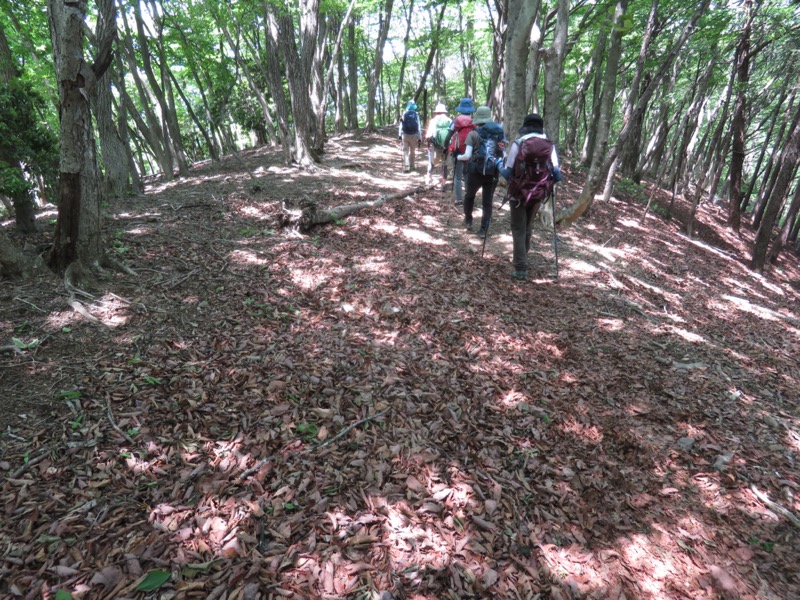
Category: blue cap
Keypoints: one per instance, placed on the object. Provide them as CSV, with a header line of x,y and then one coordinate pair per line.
x,y
465,107
411,105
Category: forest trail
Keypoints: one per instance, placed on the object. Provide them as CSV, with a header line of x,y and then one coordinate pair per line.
x,y
374,408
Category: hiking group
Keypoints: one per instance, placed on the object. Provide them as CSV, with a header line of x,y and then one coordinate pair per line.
x,y
477,146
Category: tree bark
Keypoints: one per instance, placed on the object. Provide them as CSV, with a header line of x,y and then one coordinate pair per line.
x,y
553,70
521,15
377,64
738,124
786,166
77,235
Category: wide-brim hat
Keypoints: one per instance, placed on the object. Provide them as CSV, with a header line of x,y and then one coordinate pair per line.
x,y
465,107
482,115
440,109
411,105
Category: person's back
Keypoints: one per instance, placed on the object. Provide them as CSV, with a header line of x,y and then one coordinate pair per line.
x,y
532,168
483,146
464,109
410,134
435,134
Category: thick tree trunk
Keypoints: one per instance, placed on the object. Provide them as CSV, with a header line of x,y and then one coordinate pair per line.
x,y
521,15
78,234
783,238
786,166
352,78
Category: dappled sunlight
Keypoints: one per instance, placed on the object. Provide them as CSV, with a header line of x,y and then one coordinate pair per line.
x,y
248,257
417,235
688,336
611,325
308,279
744,305
657,572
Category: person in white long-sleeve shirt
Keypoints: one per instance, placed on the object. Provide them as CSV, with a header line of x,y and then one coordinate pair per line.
x,y
521,213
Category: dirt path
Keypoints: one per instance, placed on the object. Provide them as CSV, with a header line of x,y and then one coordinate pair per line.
x,y
374,408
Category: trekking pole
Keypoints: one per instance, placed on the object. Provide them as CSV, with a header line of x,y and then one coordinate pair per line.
x,y
555,233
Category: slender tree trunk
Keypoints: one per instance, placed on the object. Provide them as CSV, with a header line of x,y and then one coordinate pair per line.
x,y
432,51
767,139
352,78
553,70
738,124
495,95
377,64
400,105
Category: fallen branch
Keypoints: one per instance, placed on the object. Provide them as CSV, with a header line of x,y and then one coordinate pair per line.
x,y
311,216
116,427
775,507
245,474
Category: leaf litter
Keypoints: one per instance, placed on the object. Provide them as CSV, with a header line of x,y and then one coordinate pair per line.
x,y
374,411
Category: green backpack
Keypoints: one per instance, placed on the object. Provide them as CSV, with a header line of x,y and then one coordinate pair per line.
x,y
442,129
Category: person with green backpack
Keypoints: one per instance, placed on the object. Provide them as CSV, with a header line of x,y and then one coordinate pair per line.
x,y
438,128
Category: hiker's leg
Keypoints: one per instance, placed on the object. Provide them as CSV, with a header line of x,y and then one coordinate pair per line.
x,y
519,218
488,193
530,214
405,153
431,160
473,183
458,178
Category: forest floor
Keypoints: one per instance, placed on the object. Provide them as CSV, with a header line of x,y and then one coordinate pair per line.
x,y
375,410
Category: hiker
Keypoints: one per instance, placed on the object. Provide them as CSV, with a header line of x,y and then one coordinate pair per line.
x,y
531,169
484,146
465,109
410,133
437,131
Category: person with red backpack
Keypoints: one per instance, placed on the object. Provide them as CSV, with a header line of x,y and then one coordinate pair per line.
x,y
462,125
531,169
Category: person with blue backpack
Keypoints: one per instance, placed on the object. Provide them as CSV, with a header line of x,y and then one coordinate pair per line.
x,y
410,133
484,146
531,169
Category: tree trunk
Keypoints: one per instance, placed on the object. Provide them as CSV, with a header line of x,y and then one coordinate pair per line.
x,y
553,70
786,230
15,264
377,64
572,213
629,155
495,95
77,236
398,109
770,173
352,78
738,124
521,15
786,167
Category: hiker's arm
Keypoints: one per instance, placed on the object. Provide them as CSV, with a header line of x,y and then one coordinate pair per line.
x,y
557,176
467,153
448,138
505,170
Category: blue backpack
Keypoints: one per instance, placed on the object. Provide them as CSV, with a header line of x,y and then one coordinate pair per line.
x,y
485,155
410,122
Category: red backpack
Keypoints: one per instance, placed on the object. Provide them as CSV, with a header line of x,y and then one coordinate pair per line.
x,y
531,180
462,126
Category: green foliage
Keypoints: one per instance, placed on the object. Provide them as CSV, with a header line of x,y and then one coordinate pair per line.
x,y
24,139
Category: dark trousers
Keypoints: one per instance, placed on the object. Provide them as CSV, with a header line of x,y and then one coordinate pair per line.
x,y
475,182
521,229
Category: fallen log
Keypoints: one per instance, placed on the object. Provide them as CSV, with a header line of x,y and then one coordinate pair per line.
x,y
312,215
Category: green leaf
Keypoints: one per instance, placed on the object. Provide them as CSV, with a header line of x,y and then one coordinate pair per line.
x,y
63,595
19,343
153,580
67,395
66,330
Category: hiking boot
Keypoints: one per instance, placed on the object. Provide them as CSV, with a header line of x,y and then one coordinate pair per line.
x,y
520,275
468,223
481,233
